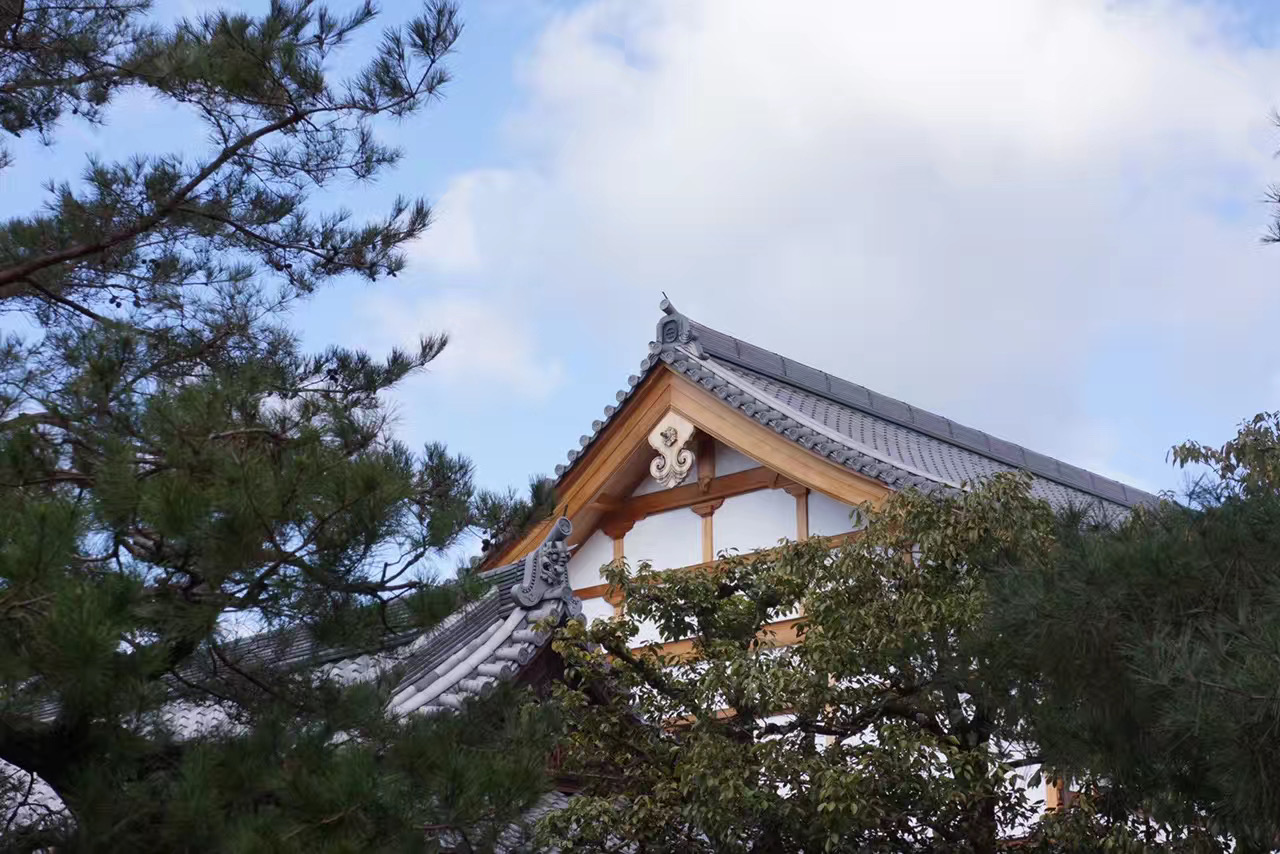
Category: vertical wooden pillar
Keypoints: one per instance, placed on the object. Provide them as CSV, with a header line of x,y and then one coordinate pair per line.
x,y
1055,795
707,510
801,494
617,531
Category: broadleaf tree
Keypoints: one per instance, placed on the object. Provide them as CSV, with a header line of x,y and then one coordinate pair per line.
x,y
894,724
177,470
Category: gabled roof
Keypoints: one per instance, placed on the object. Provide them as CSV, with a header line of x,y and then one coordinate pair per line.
x,y
897,444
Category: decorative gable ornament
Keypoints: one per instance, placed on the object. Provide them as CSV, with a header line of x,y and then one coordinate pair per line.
x,y
546,569
670,439
674,330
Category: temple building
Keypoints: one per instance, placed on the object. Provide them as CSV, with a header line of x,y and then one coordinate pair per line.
x,y
715,445
718,445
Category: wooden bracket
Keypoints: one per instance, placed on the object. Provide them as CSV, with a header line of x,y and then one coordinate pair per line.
x,y
706,508
706,455
616,527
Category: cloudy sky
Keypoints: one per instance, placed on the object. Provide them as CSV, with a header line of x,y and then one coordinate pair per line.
x,y
1038,217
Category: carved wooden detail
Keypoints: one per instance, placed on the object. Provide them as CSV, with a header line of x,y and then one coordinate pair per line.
x,y
670,438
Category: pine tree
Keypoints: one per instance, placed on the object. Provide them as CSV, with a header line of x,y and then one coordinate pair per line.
x,y
1154,647
176,470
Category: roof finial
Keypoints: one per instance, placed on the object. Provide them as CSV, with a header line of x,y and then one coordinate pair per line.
x,y
674,330
545,573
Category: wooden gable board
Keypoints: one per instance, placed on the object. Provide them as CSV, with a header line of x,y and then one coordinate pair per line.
x,y
592,491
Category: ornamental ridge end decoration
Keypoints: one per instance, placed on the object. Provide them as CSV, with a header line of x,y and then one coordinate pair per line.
x,y
670,439
546,573
674,330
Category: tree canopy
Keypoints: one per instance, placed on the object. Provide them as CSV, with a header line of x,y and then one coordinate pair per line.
x,y
177,470
909,716
1154,646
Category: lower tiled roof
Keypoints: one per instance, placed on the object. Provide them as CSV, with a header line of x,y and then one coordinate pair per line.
x,y
465,655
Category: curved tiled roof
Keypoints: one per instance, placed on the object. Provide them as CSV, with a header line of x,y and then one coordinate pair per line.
x,y
890,441
465,655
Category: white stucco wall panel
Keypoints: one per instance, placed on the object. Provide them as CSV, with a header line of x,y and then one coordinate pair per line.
x,y
666,540
754,520
828,516
596,609
584,566
730,460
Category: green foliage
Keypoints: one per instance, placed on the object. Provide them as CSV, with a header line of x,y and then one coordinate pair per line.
x,y
1154,647
175,470
887,729
959,651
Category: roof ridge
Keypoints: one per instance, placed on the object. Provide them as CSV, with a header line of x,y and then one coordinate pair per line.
x,y
719,345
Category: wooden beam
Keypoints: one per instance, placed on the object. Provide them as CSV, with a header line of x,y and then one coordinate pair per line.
x,y
690,494
616,527
606,503
595,474
781,633
613,595
606,455
595,591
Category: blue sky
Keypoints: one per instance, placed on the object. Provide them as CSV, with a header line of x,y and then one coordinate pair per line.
x,y
1038,217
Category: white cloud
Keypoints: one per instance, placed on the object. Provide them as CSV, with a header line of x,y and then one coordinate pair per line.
x,y
972,206
492,351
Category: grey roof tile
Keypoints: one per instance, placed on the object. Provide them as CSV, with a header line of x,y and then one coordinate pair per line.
x,y
1007,452
850,393
890,408
944,461
936,450
462,656
716,345
968,437
805,376
717,341
759,358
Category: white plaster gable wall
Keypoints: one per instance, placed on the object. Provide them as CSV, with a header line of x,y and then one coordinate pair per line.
x,y
754,520
828,516
584,566
596,609
1035,794
666,540
730,460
